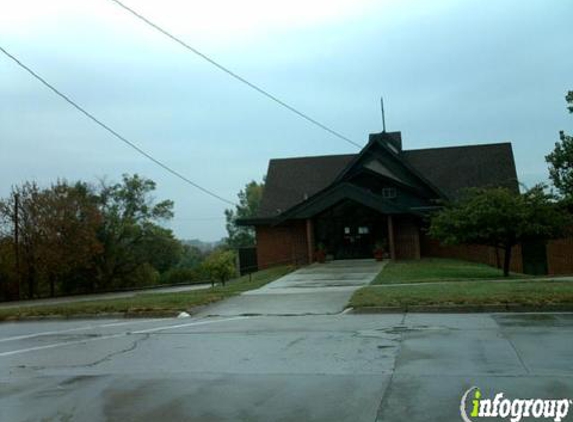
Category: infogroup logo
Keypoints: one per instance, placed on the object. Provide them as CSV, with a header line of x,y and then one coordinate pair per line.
x,y
474,407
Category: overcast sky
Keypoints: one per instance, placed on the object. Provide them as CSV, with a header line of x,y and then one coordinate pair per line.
x,y
452,73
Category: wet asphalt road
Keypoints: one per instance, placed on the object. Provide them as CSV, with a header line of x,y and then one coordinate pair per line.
x,y
285,352
278,368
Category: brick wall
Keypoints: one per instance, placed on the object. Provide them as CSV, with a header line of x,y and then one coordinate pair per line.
x,y
474,253
406,237
288,244
284,244
560,256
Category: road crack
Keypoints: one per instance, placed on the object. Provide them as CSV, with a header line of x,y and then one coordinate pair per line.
x,y
128,349
107,357
388,389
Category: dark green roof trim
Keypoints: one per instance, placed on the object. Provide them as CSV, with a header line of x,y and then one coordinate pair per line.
x,y
382,141
407,187
339,192
255,221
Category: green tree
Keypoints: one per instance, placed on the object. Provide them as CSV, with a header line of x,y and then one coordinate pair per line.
x,y
561,160
220,265
129,215
160,248
500,218
191,257
249,201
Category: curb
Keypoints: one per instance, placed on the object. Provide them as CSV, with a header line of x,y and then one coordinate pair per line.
x,y
110,315
464,309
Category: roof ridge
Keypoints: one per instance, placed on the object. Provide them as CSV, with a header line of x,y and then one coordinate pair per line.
x,y
312,156
490,144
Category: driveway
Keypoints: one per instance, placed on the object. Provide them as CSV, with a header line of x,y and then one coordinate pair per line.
x,y
319,289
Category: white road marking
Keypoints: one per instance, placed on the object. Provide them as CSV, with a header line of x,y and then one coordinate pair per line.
x,y
71,330
52,346
125,334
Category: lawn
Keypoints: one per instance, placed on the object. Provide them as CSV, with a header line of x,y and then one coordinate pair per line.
x,y
152,302
436,269
527,292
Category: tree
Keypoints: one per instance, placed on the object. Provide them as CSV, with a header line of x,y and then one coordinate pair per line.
x,y
220,265
191,257
27,209
57,229
500,218
561,160
129,215
78,238
8,277
68,220
249,201
160,248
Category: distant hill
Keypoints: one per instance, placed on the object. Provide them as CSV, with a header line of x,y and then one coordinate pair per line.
x,y
202,245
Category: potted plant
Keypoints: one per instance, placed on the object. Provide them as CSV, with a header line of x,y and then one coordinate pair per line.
x,y
380,250
320,253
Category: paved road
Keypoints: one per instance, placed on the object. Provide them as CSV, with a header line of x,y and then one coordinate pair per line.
x,y
332,367
298,368
99,296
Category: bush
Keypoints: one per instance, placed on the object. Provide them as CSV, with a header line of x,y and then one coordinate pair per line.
x,y
220,266
183,275
143,276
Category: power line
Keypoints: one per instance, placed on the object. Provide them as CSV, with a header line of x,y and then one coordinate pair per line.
x,y
112,131
236,76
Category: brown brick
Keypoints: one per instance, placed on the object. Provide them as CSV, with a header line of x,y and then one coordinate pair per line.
x,y
474,253
560,256
280,245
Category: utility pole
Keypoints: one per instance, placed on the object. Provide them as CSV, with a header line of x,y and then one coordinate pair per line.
x,y
17,242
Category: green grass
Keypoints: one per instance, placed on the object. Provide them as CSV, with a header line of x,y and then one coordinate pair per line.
x,y
528,292
151,302
436,269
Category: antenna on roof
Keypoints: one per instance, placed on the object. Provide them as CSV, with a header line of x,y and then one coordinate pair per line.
x,y
383,117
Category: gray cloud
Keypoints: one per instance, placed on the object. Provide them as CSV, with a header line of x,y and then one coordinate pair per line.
x,y
454,73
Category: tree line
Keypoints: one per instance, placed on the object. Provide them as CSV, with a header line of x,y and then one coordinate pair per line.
x,y
82,238
72,238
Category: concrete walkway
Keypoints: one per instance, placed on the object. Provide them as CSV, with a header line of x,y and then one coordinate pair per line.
x,y
319,289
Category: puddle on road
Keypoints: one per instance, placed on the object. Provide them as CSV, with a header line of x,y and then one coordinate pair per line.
x,y
535,320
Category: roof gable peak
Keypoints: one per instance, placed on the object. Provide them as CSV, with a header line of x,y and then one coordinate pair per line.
x,y
393,140
385,151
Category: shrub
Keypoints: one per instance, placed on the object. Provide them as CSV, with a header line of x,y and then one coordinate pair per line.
x,y
183,275
220,266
